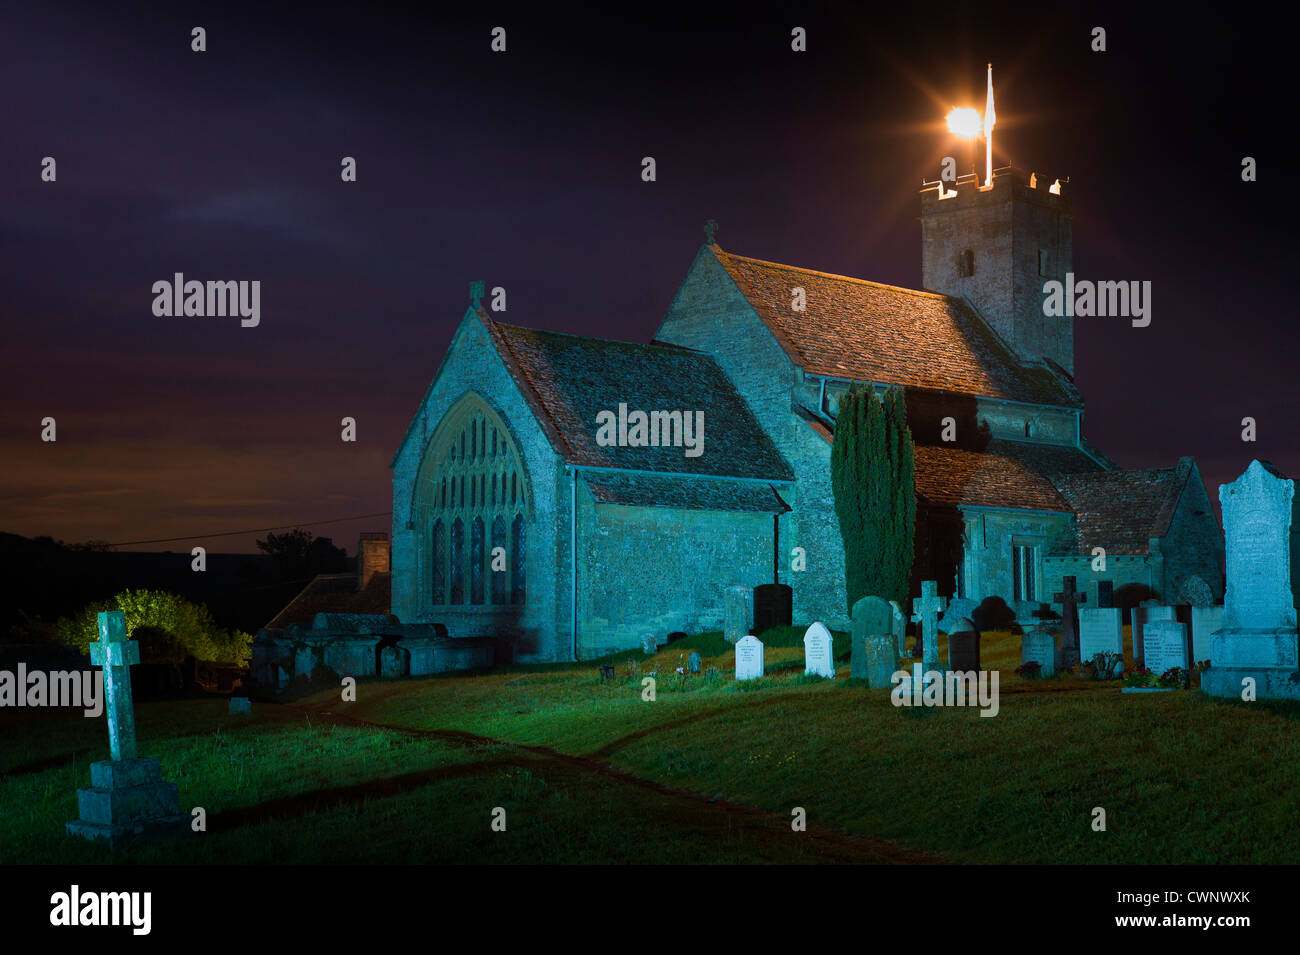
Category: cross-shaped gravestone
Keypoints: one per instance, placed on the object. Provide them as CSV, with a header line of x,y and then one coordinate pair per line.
x,y
475,293
1069,599
116,654
710,228
925,611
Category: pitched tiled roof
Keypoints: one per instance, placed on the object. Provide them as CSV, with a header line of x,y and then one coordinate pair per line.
x,y
1123,510
335,593
568,379
1009,474
865,331
609,487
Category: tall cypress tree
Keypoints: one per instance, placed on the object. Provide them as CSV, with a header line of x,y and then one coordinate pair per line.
x,y
873,480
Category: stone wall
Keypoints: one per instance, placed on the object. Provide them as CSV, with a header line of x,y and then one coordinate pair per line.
x,y
990,536
661,569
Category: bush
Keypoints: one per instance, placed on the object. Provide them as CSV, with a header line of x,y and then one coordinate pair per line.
x,y
171,628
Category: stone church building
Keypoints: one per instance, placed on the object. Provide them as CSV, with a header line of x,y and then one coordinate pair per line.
x,y
567,494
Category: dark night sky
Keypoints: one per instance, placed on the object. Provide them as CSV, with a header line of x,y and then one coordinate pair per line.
x,y
523,169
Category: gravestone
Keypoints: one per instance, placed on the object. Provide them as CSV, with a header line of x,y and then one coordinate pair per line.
x,y
1069,598
1101,630
900,627
1166,646
749,658
881,661
773,606
1258,636
963,647
1148,611
128,800
872,617
819,659
693,662
959,609
925,613
240,706
649,645
1039,645
737,616
1206,622
1195,592
1105,594
394,662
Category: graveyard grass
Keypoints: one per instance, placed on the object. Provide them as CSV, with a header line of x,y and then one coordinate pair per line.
x,y
709,772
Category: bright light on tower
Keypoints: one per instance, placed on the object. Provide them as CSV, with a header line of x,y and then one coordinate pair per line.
x,y
965,122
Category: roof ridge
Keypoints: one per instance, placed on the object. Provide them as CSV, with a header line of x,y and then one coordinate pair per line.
x,y
840,276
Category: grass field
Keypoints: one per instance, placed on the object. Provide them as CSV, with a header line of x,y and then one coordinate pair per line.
x,y
710,771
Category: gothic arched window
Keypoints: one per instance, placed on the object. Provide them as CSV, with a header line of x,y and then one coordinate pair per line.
x,y
472,500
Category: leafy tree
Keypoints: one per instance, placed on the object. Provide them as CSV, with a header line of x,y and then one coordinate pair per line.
x,y
170,628
874,483
299,555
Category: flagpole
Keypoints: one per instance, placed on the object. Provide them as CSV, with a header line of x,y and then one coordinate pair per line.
x,y
988,133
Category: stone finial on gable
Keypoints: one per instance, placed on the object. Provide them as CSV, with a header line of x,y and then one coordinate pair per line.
x,y
710,227
475,293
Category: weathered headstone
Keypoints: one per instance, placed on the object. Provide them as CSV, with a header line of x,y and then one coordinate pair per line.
x,y
872,617
1039,646
1101,630
1069,598
128,799
1195,592
737,615
959,609
1148,611
881,661
693,662
1166,646
963,647
749,658
925,613
649,645
1206,622
773,606
394,662
900,628
1258,638
240,706
819,658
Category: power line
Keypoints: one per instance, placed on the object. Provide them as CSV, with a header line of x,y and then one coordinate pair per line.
x,y
254,530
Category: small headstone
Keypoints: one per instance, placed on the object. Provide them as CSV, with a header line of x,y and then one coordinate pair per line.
x,y
737,616
607,673
872,617
749,658
1195,592
1101,630
1039,646
817,651
881,661
693,662
1166,646
963,647
1143,614
900,628
649,645
240,706
959,609
773,606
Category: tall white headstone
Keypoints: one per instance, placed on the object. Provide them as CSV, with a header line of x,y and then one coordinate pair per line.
x,y
818,655
1166,646
1101,630
749,658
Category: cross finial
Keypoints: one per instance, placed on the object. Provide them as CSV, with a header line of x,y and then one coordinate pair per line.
x,y
475,293
710,227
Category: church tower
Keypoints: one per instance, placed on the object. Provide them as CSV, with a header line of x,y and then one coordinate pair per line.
x,y
995,246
